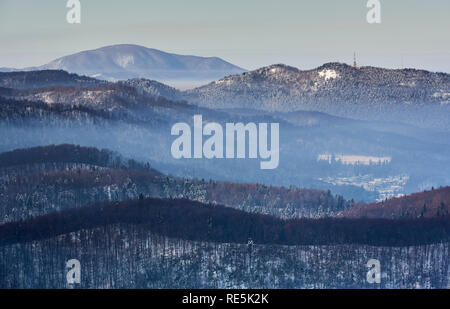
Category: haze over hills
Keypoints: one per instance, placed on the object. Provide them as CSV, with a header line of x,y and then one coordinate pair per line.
x,y
60,201
88,176
133,116
237,149
66,200
416,97
126,61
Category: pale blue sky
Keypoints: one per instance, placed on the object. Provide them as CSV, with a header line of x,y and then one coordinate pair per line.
x,y
248,33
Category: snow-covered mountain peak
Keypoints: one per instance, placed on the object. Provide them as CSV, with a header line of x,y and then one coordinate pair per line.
x,y
126,61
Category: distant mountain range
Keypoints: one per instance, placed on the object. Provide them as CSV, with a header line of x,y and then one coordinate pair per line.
x,y
413,96
284,88
416,97
181,223
126,61
135,116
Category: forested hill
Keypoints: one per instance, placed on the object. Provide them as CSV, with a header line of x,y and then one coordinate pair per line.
x,y
36,79
66,153
41,180
431,203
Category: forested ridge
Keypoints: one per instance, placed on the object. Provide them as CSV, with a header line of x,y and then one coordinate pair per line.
x,y
40,180
430,203
189,220
15,110
67,153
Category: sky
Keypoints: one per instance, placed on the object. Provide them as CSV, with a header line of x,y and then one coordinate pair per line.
x,y
247,33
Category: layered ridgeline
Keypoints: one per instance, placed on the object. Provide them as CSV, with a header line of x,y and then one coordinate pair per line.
x,y
42,180
416,97
357,159
124,61
118,99
339,89
154,243
129,240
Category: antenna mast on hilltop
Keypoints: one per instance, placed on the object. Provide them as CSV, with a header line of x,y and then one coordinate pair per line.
x,y
354,61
